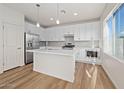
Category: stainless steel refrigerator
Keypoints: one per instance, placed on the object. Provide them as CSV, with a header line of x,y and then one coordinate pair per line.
x,y
31,42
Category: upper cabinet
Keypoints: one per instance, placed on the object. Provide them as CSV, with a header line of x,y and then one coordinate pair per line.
x,y
84,31
96,30
76,31
90,31
31,28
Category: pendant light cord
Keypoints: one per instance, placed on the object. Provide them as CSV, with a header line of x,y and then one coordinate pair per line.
x,y
57,11
37,13
38,6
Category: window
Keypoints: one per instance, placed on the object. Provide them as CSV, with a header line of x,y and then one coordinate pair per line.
x,y
119,21
108,36
119,32
114,34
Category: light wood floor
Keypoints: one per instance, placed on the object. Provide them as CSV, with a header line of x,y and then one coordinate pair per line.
x,y
86,76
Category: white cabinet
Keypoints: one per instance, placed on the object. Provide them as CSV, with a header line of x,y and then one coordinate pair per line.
x,y
60,34
80,55
84,31
49,35
89,31
42,34
69,29
96,29
54,34
1,48
76,32
13,46
31,28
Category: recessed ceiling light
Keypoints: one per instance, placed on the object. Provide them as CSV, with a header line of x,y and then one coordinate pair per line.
x,y
51,19
75,14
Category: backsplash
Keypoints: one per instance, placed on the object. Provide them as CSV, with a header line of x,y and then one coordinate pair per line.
x,y
86,44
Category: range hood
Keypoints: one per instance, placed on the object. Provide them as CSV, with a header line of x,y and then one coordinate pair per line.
x,y
69,41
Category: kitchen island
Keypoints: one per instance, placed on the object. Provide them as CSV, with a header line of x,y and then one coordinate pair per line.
x,y
55,62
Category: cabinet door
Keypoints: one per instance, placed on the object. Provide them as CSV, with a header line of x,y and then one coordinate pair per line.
x,y
45,35
42,34
80,55
96,30
82,32
88,33
61,32
13,46
1,48
71,29
76,31
48,35
53,34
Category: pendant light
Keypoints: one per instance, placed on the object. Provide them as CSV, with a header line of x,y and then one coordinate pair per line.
x,y
57,20
38,6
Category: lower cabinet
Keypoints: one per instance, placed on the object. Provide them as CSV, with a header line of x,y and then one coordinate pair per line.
x,y
80,55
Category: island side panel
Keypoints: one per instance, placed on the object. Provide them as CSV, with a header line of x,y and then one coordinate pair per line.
x,y
59,66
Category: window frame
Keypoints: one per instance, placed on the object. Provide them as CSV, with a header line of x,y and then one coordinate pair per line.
x,y
113,34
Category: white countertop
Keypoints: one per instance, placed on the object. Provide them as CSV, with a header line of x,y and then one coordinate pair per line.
x,y
60,51
54,51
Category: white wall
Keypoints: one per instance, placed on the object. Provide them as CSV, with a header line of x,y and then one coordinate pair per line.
x,y
112,66
1,48
8,15
114,69
13,19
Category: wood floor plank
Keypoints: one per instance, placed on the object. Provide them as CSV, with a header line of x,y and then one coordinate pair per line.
x,y
78,76
15,70
24,79
15,76
87,76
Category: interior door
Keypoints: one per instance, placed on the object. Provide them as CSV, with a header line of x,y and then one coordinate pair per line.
x,y
1,47
12,46
20,45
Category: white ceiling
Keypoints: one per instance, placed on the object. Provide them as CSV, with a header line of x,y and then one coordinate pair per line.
x,y
86,11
